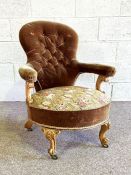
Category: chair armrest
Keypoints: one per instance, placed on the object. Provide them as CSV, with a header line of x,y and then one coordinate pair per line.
x,y
103,70
28,73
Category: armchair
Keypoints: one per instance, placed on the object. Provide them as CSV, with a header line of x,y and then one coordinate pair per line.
x,y
52,69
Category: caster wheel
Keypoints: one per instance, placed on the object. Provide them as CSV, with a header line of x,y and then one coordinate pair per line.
x,y
29,129
105,146
54,157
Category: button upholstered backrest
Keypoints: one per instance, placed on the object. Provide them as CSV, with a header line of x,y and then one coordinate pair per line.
x,y
51,49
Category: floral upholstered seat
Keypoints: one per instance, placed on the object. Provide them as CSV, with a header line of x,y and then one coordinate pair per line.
x,y
69,98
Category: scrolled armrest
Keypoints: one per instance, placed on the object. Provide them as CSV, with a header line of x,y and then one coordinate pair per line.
x,y
28,73
103,70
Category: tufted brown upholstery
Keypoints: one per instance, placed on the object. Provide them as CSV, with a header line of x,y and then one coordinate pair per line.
x,y
51,51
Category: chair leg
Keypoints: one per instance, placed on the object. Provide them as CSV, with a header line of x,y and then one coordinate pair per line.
x,y
28,125
51,134
102,137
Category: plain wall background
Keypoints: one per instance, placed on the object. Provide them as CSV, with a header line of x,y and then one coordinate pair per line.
x,y
104,29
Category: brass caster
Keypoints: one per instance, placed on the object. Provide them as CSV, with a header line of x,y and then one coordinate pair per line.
x,y
105,146
29,129
54,156
105,143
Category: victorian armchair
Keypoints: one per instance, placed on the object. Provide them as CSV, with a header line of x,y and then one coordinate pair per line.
x,y
52,69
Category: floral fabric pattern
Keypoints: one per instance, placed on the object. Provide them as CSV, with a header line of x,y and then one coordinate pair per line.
x,y
69,98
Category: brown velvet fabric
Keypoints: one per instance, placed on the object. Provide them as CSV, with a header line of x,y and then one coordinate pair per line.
x,y
70,119
97,69
28,73
51,50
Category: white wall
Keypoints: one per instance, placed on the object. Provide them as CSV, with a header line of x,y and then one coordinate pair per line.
x,y
104,28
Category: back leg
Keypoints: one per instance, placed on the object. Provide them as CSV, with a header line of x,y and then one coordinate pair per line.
x,y
28,125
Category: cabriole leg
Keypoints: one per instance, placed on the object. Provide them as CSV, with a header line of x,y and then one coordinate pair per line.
x,y
102,137
51,134
28,125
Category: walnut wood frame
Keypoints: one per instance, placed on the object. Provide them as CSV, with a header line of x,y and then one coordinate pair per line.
x,y
51,133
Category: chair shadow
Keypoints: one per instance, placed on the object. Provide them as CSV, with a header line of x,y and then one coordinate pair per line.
x,y
85,139
66,140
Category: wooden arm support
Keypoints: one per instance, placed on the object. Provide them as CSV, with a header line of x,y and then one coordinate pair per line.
x,y
28,89
100,79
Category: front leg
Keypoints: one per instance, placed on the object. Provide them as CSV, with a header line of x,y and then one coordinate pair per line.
x,y
102,137
51,134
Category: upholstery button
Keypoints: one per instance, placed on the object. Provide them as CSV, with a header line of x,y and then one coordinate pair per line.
x,y
32,34
69,35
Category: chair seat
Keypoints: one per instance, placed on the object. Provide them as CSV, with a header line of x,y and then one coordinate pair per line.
x,y
69,98
69,106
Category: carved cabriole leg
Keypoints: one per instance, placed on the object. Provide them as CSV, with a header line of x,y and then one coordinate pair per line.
x,y
29,87
102,137
51,134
